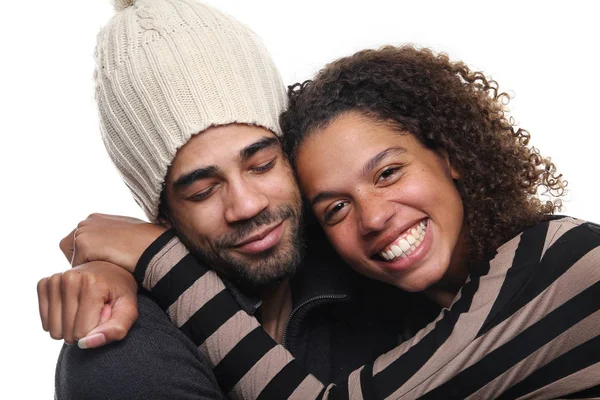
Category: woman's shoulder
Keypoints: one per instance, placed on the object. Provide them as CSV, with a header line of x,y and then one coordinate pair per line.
x,y
563,234
559,224
561,251
552,264
556,232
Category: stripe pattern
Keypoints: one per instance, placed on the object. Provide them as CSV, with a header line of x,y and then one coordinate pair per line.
x,y
524,325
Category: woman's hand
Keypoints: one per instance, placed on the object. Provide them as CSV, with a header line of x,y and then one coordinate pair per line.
x,y
93,304
115,239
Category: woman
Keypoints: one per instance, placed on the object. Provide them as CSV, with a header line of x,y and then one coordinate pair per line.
x,y
417,139
419,179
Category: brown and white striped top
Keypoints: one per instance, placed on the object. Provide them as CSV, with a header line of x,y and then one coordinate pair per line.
x,y
526,324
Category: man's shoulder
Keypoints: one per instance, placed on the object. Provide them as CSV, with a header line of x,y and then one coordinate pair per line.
x,y
155,360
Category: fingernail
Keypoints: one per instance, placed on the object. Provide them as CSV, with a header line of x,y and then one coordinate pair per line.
x,y
92,341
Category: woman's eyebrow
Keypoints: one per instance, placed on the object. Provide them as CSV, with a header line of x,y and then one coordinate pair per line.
x,y
324,196
369,165
376,159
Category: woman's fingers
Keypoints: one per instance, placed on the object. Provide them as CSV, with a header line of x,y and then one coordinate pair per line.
x,y
55,306
42,292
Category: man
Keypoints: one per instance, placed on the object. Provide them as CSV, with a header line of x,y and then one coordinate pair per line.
x,y
189,101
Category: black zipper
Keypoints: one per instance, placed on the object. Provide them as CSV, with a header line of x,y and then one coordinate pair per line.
x,y
304,303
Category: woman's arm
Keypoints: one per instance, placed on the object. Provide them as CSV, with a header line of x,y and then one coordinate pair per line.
x,y
518,319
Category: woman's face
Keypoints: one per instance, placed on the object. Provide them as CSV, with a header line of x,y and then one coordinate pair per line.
x,y
387,203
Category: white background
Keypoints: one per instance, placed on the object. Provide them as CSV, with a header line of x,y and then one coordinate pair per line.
x,y
55,170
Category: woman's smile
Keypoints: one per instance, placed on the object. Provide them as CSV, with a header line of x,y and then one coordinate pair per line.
x,y
403,246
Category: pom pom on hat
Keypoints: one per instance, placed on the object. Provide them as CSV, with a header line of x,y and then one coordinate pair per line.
x,y
122,4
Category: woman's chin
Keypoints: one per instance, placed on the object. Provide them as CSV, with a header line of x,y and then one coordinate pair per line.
x,y
422,277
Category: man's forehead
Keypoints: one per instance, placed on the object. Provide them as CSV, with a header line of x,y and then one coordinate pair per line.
x,y
217,146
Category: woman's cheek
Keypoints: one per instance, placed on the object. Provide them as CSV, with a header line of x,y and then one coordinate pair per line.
x,y
342,238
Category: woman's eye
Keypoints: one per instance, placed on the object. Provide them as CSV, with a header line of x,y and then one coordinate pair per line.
x,y
388,174
335,213
264,167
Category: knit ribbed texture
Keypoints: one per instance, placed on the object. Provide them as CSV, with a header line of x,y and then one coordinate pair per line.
x,y
169,69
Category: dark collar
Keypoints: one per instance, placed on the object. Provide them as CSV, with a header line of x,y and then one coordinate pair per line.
x,y
322,271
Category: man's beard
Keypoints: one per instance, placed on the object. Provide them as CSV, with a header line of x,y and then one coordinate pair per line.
x,y
252,272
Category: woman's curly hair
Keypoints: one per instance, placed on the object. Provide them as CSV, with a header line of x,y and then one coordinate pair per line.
x,y
446,106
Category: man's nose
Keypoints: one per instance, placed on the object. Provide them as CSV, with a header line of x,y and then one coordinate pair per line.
x,y
245,202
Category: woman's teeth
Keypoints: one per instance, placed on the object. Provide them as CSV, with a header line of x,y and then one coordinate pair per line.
x,y
406,244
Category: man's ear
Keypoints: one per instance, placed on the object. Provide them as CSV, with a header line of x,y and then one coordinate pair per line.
x,y
163,221
456,175
163,210
163,214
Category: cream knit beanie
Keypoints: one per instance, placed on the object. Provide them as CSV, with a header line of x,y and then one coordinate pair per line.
x,y
169,69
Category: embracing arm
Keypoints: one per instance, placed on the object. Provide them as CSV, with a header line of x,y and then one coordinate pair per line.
x,y
94,303
151,358
517,322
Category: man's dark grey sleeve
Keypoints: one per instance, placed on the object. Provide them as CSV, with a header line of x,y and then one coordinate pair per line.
x,y
154,361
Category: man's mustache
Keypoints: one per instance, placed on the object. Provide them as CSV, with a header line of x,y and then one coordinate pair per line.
x,y
244,228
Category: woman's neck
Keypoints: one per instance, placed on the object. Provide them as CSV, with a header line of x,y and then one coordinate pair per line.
x,y
444,291
444,296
